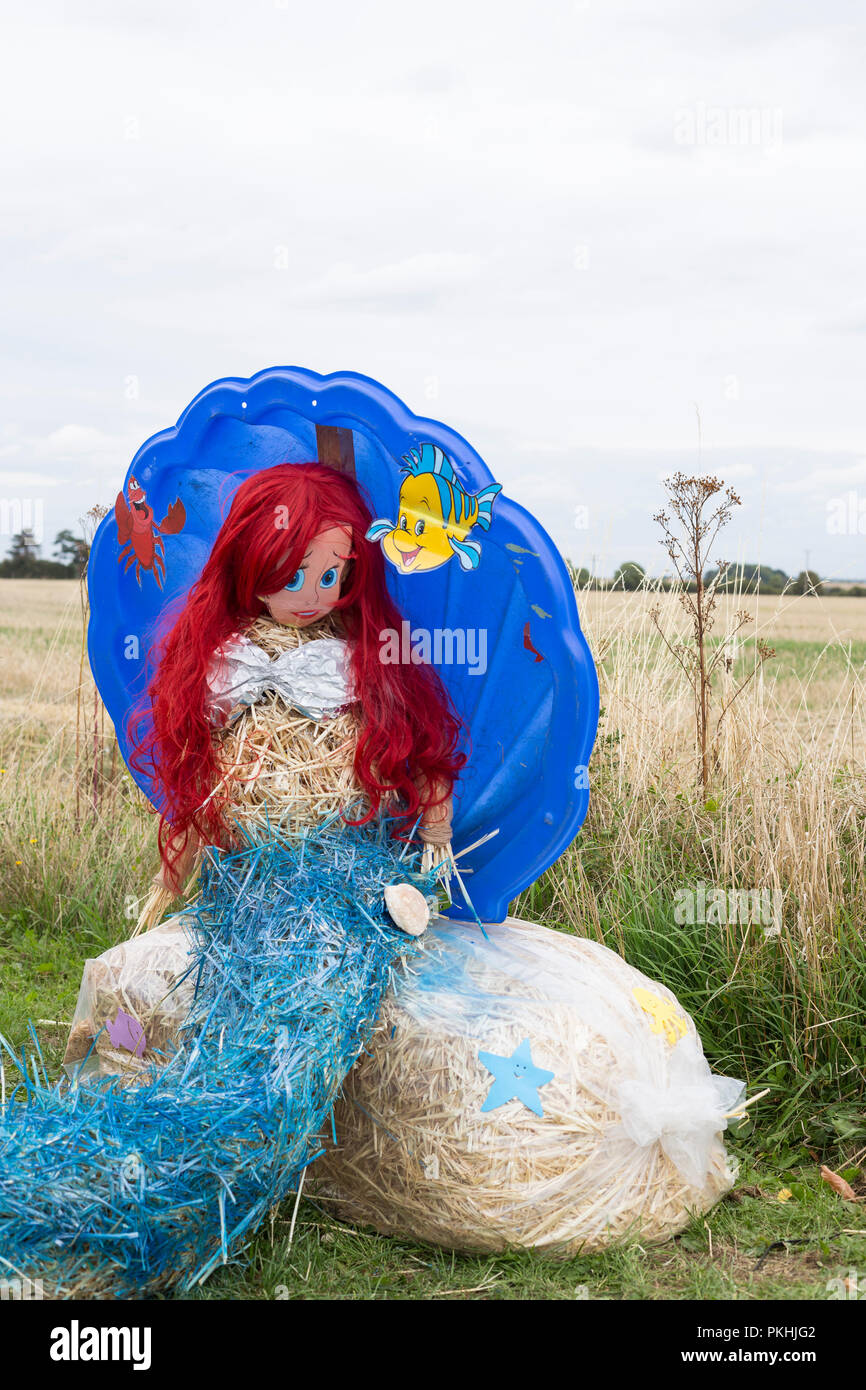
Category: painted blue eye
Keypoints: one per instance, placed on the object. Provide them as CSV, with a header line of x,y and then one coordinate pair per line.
x,y
296,582
328,579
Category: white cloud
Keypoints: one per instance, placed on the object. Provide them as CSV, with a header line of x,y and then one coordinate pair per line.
x,y
27,482
74,440
419,277
822,481
491,199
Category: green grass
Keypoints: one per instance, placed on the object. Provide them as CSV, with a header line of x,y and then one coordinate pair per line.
x,y
751,1246
763,1014
760,1012
801,660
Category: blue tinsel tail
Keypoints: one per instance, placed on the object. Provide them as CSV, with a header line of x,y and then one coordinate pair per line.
x,y
112,1190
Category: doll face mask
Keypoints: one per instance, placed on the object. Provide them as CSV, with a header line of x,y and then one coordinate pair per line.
x,y
312,592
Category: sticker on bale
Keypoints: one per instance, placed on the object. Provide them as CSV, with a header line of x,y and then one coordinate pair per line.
x,y
517,1078
663,1014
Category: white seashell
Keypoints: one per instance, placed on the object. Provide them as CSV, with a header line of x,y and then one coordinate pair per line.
x,y
407,908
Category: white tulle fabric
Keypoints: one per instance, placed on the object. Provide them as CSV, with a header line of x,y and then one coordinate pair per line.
x,y
314,679
683,1112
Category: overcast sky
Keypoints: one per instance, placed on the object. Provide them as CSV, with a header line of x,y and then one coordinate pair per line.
x,y
565,229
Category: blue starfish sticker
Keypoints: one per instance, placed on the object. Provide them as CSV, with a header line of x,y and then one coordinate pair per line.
x,y
517,1078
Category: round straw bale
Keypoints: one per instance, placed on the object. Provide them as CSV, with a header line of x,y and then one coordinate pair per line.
x,y
629,1142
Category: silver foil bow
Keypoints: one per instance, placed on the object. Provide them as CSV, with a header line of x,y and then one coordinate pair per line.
x,y
314,679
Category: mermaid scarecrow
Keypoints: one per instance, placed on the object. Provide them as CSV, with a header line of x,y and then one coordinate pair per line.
x,y
313,736
207,1053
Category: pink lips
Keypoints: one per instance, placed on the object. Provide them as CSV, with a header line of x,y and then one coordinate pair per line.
x,y
407,556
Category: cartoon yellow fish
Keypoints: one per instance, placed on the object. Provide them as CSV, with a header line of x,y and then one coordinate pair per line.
x,y
435,516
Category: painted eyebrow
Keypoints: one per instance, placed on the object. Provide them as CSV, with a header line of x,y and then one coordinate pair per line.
x,y
343,558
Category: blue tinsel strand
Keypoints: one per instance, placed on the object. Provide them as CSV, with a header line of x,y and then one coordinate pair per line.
x,y
123,1190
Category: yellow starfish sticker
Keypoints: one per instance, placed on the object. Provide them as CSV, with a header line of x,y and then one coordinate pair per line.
x,y
665,1018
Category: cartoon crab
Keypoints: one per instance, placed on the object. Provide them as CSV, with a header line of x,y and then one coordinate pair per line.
x,y
140,537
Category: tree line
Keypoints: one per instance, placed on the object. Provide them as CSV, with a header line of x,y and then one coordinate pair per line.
x,y
24,561
745,579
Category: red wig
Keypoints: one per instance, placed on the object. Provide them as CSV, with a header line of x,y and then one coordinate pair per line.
x,y
408,727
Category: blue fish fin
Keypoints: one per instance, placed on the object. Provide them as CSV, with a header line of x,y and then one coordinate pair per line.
x,y
441,463
377,529
467,552
485,499
429,459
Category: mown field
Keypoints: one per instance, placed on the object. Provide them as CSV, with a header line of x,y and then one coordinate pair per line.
x,y
784,1009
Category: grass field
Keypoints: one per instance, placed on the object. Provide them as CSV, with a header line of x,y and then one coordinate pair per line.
x,y
780,1005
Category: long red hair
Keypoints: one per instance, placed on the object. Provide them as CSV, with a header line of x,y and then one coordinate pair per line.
x,y
408,728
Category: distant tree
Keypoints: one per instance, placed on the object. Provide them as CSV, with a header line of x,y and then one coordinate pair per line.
x,y
807,582
71,550
24,546
749,579
629,576
23,556
580,577
23,561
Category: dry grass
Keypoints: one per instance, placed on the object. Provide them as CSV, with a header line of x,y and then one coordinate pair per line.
x,y
788,812
791,799
788,809
40,656
76,837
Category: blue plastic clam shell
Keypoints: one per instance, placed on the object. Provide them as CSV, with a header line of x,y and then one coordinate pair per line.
x,y
510,648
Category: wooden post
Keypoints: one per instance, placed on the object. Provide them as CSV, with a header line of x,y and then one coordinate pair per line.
x,y
336,448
